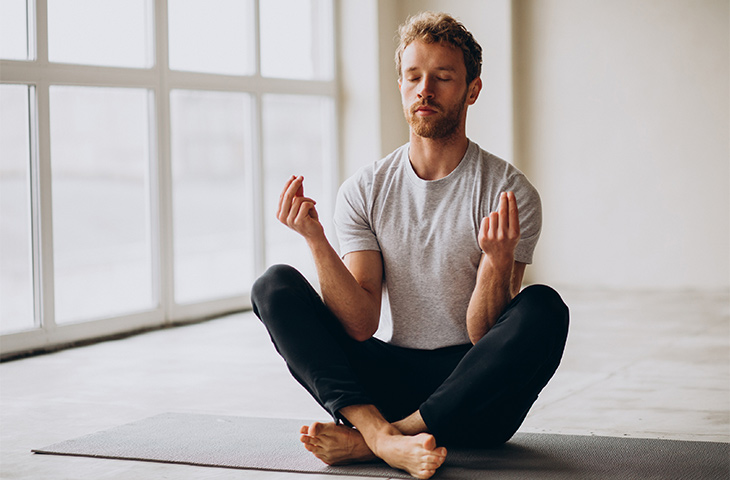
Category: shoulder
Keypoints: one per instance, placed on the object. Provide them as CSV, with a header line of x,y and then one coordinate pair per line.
x,y
374,174
500,173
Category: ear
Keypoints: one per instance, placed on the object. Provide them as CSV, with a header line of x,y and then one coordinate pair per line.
x,y
473,90
400,83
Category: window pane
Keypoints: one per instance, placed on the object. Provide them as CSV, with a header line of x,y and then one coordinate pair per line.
x,y
101,209
114,33
16,267
14,29
297,141
298,43
212,207
211,36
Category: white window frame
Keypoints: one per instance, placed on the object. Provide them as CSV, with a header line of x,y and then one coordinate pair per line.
x,y
40,75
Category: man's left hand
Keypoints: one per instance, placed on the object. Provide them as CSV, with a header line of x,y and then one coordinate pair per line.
x,y
500,231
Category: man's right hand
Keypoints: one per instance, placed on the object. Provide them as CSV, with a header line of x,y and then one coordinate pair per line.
x,y
297,211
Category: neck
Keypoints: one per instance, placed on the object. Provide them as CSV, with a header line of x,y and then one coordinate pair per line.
x,y
433,159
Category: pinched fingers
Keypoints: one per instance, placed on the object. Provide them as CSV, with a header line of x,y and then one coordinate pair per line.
x,y
302,208
500,230
505,222
297,211
291,200
291,188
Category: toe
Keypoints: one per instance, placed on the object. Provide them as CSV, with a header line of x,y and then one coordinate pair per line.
x,y
315,429
425,473
429,442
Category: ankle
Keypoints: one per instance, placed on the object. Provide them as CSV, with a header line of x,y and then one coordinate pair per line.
x,y
380,439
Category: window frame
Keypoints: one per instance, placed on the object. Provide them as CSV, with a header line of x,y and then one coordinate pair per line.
x,y
40,74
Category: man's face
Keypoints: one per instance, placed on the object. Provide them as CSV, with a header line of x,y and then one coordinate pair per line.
x,y
433,89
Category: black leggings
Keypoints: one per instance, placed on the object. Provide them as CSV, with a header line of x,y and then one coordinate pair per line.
x,y
474,395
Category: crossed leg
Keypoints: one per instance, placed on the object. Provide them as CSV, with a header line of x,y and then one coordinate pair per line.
x,y
372,437
463,397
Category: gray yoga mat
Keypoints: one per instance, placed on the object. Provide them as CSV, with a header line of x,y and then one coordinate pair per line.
x,y
273,444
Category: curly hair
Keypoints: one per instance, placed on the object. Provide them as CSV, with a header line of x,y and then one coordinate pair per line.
x,y
430,27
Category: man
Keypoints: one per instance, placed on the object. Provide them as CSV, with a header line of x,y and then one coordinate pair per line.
x,y
445,230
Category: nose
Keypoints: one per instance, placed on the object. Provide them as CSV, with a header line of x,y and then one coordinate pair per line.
x,y
424,88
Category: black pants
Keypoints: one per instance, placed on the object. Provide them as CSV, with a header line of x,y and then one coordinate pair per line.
x,y
474,395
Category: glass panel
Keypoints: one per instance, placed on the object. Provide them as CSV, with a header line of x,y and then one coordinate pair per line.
x,y
115,33
16,266
101,202
297,141
296,44
211,36
212,207
14,30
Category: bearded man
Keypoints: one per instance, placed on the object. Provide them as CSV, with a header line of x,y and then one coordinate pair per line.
x,y
436,236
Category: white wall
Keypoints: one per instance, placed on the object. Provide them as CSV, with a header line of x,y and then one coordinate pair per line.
x,y
358,60
623,126
617,111
371,109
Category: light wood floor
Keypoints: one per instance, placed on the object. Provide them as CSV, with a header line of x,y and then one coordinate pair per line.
x,y
653,365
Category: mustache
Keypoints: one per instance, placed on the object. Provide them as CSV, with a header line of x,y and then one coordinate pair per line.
x,y
425,103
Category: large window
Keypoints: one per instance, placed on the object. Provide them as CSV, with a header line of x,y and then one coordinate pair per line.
x,y
143,147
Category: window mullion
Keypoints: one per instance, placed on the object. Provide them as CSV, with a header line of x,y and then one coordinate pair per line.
x,y
257,187
257,155
42,188
41,32
257,37
43,197
165,246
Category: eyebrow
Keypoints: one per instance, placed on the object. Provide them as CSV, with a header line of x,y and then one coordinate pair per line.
x,y
445,69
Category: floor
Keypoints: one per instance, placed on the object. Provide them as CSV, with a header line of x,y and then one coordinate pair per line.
x,y
653,365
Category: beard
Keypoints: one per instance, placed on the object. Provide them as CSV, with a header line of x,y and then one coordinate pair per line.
x,y
442,125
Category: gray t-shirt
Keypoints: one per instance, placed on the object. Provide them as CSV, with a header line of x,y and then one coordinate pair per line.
x,y
427,233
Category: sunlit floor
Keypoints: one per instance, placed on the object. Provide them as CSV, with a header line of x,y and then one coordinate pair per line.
x,y
654,365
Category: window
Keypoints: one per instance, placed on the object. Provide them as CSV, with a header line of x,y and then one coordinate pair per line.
x,y
16,280
100,172
213,218
143,145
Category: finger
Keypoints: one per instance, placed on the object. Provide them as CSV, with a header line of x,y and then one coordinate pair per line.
x,y
494,224
484,227
283,192
300,207
504,211
306,210
514,215
288,195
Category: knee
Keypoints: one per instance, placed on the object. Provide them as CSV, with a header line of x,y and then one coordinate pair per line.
x,y
546,305
274,286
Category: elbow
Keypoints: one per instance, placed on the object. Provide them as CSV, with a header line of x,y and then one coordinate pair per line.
x,y
363,334
365,330
476,334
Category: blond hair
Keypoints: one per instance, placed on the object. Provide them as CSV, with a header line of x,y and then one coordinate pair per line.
x,y
430,27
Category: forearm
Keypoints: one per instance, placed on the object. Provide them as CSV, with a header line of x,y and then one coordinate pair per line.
x,y
492,292
355,305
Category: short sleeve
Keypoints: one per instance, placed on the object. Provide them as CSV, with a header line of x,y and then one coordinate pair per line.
x,y
530,212
352,217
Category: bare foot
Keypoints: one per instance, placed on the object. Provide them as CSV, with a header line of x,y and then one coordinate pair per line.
x,y
335,444
416,455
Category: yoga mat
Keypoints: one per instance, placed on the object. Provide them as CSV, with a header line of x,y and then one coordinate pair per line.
x,y
273,444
